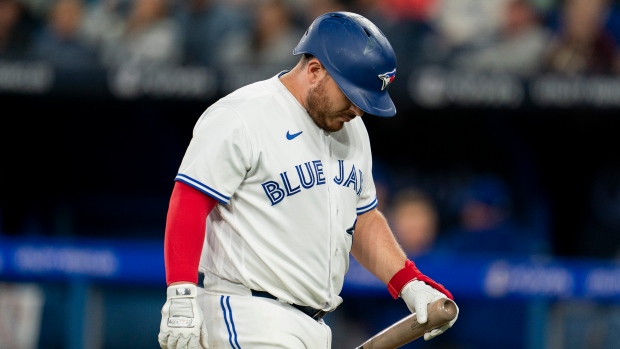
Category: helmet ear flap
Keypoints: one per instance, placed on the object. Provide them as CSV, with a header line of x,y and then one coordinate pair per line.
x,y
356,55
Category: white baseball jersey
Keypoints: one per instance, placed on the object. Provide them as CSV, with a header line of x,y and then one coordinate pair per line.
x,y
289,193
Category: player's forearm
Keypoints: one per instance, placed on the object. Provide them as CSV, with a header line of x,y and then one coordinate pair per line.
x,y
375,247
185,232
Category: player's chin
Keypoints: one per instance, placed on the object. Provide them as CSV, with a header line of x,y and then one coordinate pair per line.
x,y
338,123
334,126
329,124
347,117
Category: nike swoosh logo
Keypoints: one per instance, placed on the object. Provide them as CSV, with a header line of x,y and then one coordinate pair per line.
x,y
292,136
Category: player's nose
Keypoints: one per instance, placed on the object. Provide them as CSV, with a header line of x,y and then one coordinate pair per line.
x,y
357,111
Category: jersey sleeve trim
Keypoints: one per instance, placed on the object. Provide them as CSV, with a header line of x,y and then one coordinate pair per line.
x,y
203,188
364,209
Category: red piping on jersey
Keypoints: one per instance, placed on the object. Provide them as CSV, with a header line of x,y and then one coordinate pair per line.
x,y
185,232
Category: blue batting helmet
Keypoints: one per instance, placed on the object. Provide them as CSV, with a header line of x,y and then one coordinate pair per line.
x,y
357,55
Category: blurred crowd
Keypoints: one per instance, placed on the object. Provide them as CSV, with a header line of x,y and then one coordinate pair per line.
x,y
522,37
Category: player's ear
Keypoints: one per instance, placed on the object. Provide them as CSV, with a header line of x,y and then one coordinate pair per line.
x,y
315,71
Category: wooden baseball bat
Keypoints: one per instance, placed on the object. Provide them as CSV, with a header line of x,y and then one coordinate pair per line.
x,y
408,329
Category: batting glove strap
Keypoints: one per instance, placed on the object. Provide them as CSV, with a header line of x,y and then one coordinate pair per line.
x,y
409,273
185,290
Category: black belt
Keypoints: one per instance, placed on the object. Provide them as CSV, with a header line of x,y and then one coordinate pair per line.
x,y
316,314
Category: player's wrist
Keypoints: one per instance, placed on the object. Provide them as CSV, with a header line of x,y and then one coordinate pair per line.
x,y
402,277
409,273
181,290
180,283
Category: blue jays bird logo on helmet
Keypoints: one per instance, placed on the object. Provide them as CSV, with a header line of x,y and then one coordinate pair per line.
x,y
387,78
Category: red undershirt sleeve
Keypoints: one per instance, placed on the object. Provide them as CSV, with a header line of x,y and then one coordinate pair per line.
x,y
185,232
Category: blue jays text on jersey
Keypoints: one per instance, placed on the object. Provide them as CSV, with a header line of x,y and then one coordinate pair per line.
x,y
310,174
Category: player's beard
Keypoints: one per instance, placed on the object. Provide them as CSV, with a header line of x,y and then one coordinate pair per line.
x,y
319,107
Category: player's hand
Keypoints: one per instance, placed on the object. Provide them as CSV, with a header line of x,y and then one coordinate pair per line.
x,y
418,295
182,323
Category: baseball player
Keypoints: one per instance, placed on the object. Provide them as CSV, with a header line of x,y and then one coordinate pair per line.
x,y
274,192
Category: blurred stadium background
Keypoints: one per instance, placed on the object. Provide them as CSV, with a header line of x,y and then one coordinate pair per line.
x,y
507,124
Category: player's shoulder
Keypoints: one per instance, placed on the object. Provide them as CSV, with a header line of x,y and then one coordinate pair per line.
x,y
252,96
256,105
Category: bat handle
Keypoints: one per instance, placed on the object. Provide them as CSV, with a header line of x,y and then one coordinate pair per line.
x,y
440,312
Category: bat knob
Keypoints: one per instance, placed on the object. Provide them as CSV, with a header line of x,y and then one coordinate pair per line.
x,y
449,309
